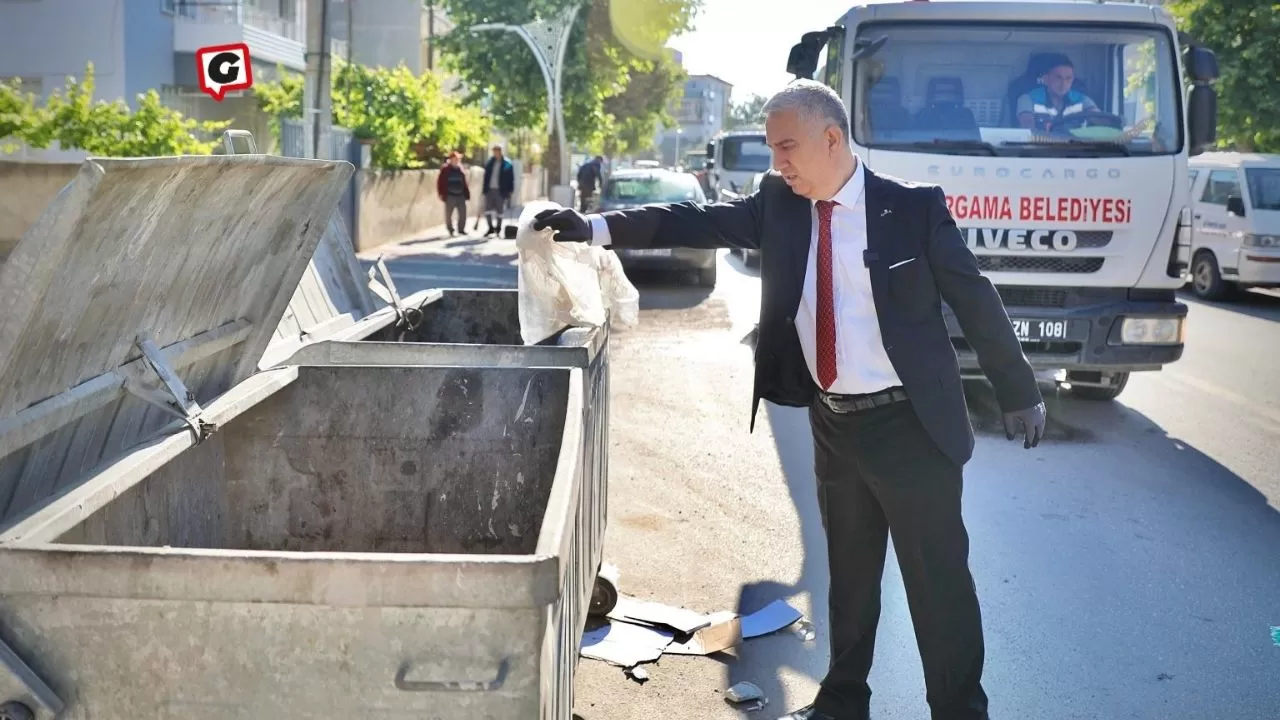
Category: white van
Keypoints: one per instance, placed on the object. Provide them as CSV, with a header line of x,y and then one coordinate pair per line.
x,y
739,156
1235,221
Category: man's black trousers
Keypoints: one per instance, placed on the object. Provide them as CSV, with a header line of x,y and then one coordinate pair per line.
x,y
879,473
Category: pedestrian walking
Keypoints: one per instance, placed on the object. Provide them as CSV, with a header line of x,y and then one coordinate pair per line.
x,y
454,192
499,184
590,177
854,269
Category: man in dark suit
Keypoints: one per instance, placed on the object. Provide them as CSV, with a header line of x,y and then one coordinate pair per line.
x,y
854,268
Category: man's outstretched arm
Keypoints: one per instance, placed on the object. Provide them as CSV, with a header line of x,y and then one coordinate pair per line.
x,y
734,224
982,317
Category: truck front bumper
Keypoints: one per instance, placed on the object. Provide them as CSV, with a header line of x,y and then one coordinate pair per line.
x,y
1083,328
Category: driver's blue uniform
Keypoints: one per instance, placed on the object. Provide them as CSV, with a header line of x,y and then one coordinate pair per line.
x,y
1046,113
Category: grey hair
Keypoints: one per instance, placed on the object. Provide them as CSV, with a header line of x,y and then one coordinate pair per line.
x,y
814,100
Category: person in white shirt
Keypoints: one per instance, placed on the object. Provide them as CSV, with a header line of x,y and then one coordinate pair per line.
x,y
854,269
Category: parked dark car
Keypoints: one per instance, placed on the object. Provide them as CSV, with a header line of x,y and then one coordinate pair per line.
x,y
633,188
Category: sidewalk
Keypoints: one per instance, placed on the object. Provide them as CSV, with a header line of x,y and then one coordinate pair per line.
x,y
445,244
436,260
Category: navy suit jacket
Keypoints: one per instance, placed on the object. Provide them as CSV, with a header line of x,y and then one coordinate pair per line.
x,y
905,221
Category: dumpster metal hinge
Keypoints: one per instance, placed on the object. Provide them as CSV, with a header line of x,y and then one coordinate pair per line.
x,y
175,398
408,318
36,690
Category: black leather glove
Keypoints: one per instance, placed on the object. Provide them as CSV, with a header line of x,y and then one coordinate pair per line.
x,y
570,225
1031,421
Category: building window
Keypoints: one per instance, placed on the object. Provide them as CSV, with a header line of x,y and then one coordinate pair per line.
x,y
185,8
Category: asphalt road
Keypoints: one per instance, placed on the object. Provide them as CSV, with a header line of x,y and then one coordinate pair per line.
x,y
1128,568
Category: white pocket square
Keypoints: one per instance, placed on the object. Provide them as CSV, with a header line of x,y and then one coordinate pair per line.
x,y
901,263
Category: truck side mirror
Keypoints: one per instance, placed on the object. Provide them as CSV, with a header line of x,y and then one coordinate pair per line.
x,y
803,60
1202,119
1201,64
711,150
1235,205
1202,103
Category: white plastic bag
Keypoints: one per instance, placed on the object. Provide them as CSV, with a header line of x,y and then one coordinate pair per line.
x,y
568,283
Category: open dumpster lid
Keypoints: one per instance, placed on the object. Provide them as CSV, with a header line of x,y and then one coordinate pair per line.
x,y
149,286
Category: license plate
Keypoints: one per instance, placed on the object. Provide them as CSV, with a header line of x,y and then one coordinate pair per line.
x,y
1035,330
650,253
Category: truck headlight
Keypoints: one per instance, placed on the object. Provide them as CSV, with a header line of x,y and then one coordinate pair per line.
x,y
1266,241
1151,331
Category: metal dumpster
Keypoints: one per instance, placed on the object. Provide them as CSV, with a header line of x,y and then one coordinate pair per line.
x,y
387,542
481,328
200,540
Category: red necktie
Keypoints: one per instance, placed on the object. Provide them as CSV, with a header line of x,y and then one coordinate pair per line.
x,y
826,320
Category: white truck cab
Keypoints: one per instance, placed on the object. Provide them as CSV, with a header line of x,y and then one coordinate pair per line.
x,y
1235,223
1060,132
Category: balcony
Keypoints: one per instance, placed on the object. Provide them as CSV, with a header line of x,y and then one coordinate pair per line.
x,y
272,38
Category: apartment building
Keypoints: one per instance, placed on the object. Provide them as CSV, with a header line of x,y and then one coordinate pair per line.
x,y
139,45
387,33
700,114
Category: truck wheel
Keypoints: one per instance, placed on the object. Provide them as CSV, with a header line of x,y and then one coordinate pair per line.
x,y
1206,279
1086,392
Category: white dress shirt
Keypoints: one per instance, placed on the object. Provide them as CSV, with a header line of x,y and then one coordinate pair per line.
x,y
862,365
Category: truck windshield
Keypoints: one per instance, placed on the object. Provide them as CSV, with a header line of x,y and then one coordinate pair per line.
x,y
746,154
1018,89
1264,188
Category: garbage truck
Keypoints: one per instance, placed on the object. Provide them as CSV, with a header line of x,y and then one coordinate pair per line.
x,y
1060,132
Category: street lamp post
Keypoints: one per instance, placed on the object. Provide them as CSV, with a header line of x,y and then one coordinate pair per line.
x,y
548,39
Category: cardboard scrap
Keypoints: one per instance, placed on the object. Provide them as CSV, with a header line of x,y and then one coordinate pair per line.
x,y
723,632
630,609
640,631
625,644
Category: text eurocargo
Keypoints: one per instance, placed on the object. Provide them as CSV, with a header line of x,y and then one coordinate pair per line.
x,y
1042,209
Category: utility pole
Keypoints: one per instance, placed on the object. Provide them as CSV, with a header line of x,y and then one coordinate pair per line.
x,y
317,100
431,35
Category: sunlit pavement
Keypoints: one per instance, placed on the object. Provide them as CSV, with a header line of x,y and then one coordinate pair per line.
x,y
1128,568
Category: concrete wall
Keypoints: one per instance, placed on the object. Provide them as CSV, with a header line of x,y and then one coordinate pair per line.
x,y
397,206
26,189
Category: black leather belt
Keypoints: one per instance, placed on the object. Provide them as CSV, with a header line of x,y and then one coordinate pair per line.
x,y
857,403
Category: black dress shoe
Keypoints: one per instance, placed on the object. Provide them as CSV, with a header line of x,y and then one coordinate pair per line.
x,y
807,713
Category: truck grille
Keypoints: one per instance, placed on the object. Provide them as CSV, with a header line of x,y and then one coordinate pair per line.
x,y
1006,263
1093,238
1033,297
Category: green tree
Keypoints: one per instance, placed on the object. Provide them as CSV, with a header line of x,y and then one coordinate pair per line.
x,y
1243,34
105,129
749,113
18,114
632,116
612,44
412,122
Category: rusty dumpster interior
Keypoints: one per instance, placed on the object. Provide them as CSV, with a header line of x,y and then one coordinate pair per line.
x,y
361,459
